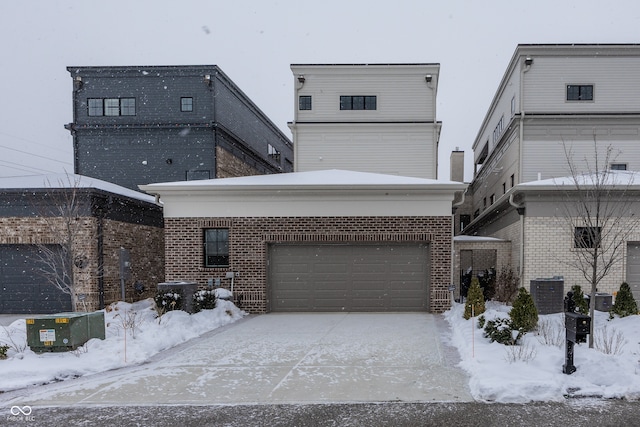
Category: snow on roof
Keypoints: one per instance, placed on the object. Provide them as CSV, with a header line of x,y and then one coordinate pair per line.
x,y
477,239
614,178
64,180
328,178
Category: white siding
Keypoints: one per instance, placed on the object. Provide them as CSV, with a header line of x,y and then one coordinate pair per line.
x,y
401,90
395,149
616,82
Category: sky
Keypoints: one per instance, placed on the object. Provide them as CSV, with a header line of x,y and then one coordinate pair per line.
x,y
255,41
531,371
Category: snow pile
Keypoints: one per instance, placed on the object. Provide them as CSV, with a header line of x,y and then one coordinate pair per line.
x,y
533,370
134,333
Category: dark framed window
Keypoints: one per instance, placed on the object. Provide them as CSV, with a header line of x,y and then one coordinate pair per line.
x,y
579,92
111,106
586,237
95,106
618,166
358,102
513,180
464,221
186,104
304,102
127,106
216,247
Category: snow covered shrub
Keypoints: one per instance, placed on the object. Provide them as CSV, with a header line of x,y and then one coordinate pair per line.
x,y
578,299
481,322
520,353
506,285
3,351
625,304
551,332
501,330
474,305
204,300
609,341
524,314
168,301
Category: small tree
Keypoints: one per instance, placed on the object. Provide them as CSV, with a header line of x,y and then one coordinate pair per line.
x,y
600,216
625,304
578,300
475,300
524,314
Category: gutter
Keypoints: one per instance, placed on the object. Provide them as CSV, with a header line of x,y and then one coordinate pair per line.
x,y
520,209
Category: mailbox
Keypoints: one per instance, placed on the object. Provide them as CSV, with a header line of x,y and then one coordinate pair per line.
x,y
578,327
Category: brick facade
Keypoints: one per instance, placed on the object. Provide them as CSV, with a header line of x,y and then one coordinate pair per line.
x,y
229,166
249,239
145,243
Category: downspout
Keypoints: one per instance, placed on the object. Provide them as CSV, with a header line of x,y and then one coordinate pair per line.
x,y
453,234
521,211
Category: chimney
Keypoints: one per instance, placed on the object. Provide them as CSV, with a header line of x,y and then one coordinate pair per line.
x,y
457,165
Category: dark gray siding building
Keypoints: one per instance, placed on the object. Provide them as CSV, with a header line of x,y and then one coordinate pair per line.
x,y
138,125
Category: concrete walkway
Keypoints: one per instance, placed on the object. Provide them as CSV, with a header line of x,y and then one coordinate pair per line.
x,y
286,358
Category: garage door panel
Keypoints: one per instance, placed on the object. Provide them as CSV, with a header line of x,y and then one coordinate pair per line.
x,y
349,277
22,290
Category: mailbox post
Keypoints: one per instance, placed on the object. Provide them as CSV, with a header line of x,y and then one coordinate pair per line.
x,y
577,328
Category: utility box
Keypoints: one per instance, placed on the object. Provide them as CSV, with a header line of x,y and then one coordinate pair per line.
x,y
64,331
187,289
548,294
604,301
578,326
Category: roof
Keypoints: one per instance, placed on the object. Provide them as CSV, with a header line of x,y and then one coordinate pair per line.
x,y
613,178
325,179
64,180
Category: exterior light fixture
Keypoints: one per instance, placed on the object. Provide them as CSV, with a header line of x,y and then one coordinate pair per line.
x,y
428,78
528,61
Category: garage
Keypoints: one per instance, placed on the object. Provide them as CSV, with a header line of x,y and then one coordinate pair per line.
x,y
633,268
348,277
22,290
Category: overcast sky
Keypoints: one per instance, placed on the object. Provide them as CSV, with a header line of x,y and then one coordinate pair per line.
x,y
254,41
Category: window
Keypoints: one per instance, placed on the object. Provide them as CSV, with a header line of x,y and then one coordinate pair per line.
x,y
186,104
95,107
464,221
513,180
484,202
497,131
504,188
358,102
618,166
216,247
513,105
579,92
587,237
304,102
111,106
492,199
128,107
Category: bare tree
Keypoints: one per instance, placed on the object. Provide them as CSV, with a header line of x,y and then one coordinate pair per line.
x,y
600,215
62,211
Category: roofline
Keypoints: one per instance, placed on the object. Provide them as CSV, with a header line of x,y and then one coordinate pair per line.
x,y
370,64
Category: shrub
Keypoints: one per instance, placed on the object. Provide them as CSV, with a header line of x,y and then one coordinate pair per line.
x,y
487,280
506,285
475,300
3,351
481,322
625,304
501,330
169,300
204,300
524,314
578,299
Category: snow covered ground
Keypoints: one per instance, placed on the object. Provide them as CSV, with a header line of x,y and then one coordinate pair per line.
x,y
533,370
150,335
530,372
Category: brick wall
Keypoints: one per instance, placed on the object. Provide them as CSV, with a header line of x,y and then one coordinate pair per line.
x,y
549,252
229,166
145,243
249,239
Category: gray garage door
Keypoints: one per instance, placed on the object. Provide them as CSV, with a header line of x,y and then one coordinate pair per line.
x,y
348,277
633,268
22,290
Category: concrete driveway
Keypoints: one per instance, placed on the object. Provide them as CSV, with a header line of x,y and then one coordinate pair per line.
x,y
286,358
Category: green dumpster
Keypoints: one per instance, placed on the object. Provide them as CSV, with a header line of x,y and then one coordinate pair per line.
x,y
64,331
